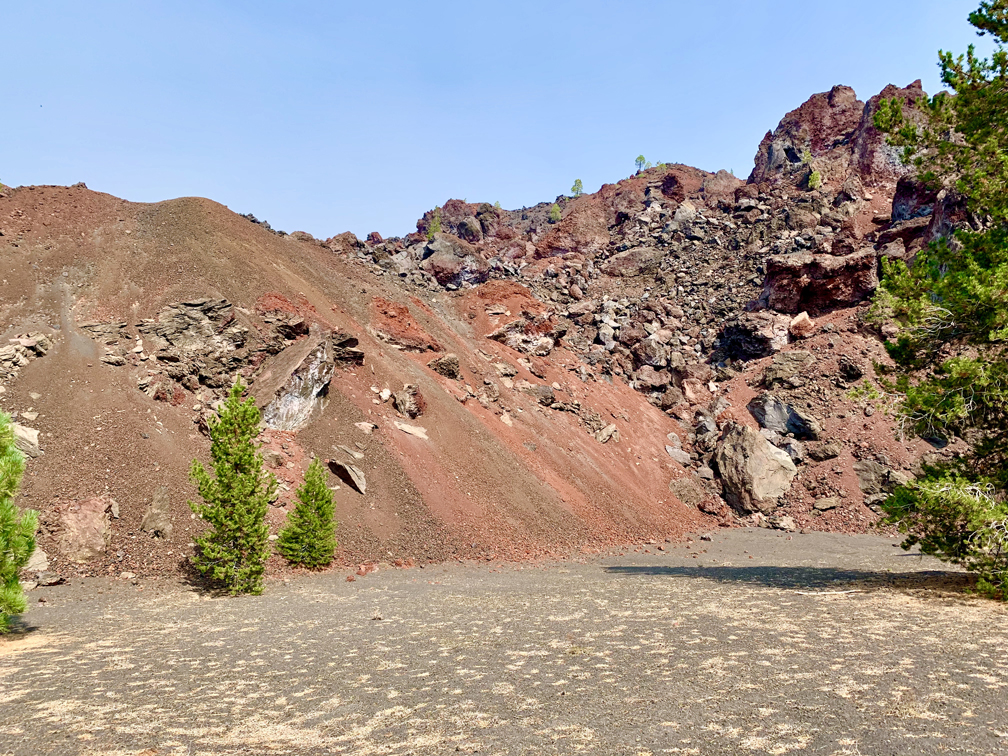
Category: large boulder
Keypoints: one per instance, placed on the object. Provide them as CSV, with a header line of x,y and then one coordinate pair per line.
x,y
819,283
86,528
633,262
877,481
788,368
951,212
157,519
26,439
300,383
453,261
751,335
651,352
914,198
754,473
583,230
446,365
721,185
470,230
532,334
777,415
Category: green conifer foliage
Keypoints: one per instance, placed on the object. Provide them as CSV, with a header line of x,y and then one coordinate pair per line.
x,y
310,536
554,213
233,551
17,530
952,304
435,224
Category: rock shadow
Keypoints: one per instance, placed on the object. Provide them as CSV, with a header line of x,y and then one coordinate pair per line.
x,y
814,578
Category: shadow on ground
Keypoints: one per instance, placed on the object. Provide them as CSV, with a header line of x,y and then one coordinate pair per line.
x,y
811,577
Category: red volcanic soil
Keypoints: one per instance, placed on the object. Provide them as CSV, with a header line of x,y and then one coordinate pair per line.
x,y
476,488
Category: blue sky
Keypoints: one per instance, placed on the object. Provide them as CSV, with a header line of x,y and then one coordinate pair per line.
x,y
336,116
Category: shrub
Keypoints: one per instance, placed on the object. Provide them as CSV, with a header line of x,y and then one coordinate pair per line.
x,y
310,535
578,189
814,180
17,530
554,216
235,548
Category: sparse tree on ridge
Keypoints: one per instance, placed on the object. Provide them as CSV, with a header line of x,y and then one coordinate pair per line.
x,y
640,162
578,189
17,529
233,551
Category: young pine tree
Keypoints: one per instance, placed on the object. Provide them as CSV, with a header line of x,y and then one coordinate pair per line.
x,y
554,213
435,224
233,551
17,530
310,536
952,304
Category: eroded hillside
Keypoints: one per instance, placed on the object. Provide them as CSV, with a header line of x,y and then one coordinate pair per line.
x,y
680,350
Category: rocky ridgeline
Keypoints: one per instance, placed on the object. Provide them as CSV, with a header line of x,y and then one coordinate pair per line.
x,y
675,280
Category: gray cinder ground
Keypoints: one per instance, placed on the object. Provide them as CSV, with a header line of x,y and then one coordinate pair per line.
x,y
816,644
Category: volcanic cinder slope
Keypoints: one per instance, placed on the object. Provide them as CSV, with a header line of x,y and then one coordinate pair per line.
x,y
580,346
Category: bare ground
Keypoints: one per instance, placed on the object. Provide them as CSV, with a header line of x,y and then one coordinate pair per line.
x,y
755,642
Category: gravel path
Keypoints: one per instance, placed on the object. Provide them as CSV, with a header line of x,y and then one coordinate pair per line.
x,y
762,643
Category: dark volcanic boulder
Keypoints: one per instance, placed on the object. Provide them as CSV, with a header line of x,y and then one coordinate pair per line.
x,y
776,415
452,261
470,230
754,334
950,212
914,198
819,283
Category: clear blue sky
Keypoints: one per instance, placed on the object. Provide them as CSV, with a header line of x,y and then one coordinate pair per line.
x,y
334,116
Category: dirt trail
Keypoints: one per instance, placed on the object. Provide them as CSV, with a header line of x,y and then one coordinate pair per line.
x,y
752,643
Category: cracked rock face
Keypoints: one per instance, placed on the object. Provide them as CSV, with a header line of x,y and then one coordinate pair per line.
x,y
305,394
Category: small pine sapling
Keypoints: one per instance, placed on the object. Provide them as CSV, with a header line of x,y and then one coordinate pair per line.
x,y
17,530
309,538
554,215
435,224
233,551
